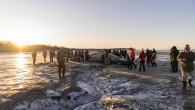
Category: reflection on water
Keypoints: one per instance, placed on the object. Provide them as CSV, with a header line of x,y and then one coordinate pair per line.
x,y
21,63
18,74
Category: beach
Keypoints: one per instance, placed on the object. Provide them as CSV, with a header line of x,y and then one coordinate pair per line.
x,y
89,86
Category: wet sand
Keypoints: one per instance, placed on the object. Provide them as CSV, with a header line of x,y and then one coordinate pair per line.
x,y
90,85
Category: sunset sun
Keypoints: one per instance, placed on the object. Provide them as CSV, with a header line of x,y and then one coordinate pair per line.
x,y
22,36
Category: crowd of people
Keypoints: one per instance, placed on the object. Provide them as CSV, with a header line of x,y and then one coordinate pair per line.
x,y
62,57
149,57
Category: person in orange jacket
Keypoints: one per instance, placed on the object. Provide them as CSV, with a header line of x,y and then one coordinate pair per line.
x,y
132,57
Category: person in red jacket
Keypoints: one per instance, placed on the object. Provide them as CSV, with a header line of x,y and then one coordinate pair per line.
x,y
132,57
142,57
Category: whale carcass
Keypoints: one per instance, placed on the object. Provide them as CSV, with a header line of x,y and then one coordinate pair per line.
x,y
97,56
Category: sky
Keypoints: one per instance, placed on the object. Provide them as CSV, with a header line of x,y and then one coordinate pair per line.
x,y
158,24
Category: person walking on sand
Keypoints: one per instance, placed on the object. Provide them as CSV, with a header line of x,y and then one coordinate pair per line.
x,y
154,60
187,66
132,57
51,55
173,55
44,55
142,57
107,60
34,56
61,63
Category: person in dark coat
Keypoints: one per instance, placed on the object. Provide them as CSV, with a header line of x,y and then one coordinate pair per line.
x,y
154,51
148,57
86,55
79,55
187,59
34,56
129,61
51,56
54,54
61,63
173,55
125,54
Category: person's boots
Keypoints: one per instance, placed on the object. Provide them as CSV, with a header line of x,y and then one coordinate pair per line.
x,y
189,83
184,84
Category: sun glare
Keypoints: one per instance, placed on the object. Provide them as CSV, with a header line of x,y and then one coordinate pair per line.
x,y
22,36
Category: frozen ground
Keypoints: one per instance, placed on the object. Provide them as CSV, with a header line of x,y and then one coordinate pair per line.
x,y
115,87
92,86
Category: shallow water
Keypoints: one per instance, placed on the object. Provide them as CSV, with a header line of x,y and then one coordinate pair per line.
x,y
17,73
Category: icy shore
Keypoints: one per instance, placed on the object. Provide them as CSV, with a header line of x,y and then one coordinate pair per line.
x,y
92,86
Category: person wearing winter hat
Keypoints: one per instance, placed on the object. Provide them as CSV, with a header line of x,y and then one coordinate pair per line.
x,y
142,57
173,55
187,66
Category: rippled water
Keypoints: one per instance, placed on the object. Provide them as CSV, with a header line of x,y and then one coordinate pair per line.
x,y
17,73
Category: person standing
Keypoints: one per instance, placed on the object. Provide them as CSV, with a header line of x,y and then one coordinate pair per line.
x,y
173,55
75,57
51,55
125,54
132,57
61,63
79,55
120,53
128,60
86,55
148,57
142,57
187,66
34,56
71,55
154,51
82,54
44,55
107,60
54,54
154,60
67,53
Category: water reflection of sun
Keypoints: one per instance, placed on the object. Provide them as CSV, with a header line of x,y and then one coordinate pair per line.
x,y
20,62
22,69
